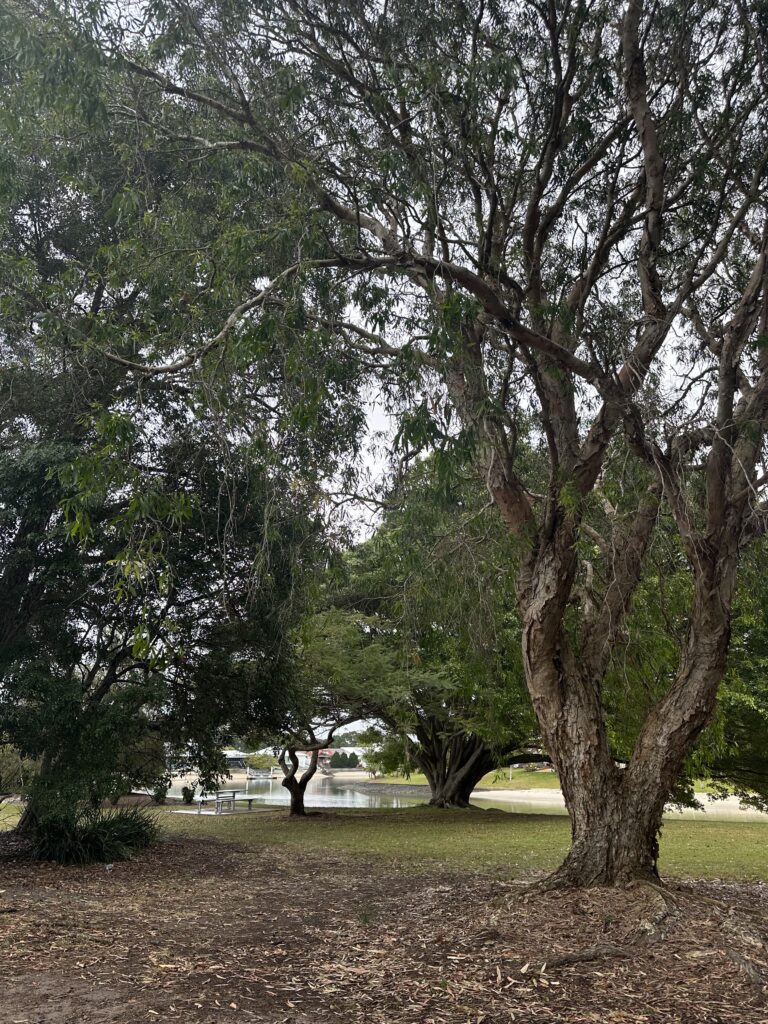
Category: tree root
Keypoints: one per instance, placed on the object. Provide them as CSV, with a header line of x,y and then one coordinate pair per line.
x,y
667,906
580,956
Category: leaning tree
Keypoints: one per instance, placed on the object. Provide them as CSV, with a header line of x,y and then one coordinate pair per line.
x,y
543,220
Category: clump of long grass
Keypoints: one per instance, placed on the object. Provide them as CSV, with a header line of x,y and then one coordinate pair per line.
x,y
94,836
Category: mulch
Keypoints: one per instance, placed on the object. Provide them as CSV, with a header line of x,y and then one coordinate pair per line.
x,y
204,931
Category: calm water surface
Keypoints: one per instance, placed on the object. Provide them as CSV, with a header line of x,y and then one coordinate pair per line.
x,y
321,792
324,791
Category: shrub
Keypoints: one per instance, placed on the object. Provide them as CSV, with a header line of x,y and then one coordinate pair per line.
x,y
335,759
90,836
160,792
354,760
260,761
188,794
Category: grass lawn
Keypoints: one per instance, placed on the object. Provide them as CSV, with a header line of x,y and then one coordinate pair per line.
x,y
499,779
9,814
514,845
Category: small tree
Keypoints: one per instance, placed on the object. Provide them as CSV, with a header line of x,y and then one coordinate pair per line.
x,y
385,752
16,772
354,760
289,762
260,762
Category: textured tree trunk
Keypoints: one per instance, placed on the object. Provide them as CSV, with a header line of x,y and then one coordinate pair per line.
x,y
453,764
295,786
297,791
614,834
616,812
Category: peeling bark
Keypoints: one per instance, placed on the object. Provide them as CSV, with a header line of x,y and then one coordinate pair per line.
x,y
616,812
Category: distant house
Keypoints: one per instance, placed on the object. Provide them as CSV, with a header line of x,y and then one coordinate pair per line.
x,y
323,758
360,751
235,758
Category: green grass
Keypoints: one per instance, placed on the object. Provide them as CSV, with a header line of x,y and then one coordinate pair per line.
x,y
9,814
499,779
520,779
514,845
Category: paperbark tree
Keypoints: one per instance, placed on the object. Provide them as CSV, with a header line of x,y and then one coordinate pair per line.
x,y
539,235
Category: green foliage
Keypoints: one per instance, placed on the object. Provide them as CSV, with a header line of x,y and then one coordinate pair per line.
x,y
88,751
354,760
142,534
160,792
348,738
150,227
188,794
425,593
94,836
734,751
261,761
386,753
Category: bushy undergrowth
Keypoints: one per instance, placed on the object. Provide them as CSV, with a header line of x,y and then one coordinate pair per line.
x,y
94,836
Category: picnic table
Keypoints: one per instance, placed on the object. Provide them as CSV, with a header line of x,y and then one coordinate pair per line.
x,y
225,800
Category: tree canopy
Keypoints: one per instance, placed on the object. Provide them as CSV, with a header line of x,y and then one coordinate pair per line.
x,y
539,228
145,530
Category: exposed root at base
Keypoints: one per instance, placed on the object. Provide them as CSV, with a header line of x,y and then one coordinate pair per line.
x,y
582,956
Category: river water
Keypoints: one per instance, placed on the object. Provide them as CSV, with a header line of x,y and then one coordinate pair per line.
x,y
327,791
322,791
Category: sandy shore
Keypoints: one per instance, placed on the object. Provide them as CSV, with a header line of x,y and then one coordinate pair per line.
x,y
549,801
522,801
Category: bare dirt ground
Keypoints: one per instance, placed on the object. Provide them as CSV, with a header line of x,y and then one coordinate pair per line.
x,y
204,931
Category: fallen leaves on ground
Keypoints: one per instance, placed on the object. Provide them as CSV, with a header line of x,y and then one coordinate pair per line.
x,y
204,931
